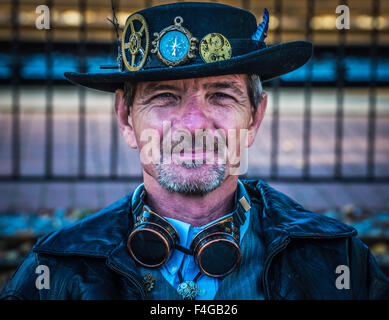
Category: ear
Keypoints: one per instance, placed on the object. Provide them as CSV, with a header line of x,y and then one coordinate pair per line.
x,y
124,120
256,119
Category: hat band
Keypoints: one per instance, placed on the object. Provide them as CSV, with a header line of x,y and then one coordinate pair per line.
x,y
239,47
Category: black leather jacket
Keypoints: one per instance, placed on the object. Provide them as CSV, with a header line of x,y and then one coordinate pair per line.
x,y
90,260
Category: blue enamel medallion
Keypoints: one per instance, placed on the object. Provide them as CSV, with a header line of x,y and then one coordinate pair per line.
x,y
174,46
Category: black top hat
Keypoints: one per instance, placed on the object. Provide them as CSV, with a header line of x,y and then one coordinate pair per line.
x,y
192,39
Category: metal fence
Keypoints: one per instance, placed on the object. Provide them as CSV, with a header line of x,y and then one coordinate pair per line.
x,y
372,51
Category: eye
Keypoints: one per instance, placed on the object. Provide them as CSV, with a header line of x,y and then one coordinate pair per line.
x,y
165,99
165,95
220,97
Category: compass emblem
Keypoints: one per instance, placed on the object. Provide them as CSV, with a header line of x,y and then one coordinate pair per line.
x,y
174,45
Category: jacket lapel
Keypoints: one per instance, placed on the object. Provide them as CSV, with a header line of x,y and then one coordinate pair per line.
x,y
282,219
120,261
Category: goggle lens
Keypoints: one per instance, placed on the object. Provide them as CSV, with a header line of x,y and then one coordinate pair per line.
x,y
219,258
148,248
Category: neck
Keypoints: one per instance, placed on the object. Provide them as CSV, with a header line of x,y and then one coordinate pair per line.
x,y
193,209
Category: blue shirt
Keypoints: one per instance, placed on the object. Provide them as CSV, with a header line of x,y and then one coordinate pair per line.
x,y
208,286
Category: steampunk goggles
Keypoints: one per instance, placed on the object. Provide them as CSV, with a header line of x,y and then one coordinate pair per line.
x,y
215,248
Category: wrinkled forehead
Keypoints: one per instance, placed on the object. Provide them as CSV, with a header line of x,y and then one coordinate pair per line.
x,y
234,81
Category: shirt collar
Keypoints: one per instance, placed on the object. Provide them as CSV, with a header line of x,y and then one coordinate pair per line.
x,y
186,232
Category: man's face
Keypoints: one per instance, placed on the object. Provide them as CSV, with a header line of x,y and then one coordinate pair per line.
x,y
192,129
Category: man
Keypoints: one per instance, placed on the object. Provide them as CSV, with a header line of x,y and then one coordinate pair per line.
x,y
191,102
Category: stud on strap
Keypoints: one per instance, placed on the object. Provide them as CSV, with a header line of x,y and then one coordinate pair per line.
x,y
246,206
243,207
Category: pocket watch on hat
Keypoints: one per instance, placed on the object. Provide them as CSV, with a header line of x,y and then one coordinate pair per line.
x,y
215,47
174,45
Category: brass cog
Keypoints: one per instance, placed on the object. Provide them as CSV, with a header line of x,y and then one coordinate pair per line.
x,y
134,44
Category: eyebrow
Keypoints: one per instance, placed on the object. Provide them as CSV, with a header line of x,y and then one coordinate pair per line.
x,y
153,87
235,87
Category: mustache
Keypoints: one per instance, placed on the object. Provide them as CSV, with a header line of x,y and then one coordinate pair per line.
x,y
204,142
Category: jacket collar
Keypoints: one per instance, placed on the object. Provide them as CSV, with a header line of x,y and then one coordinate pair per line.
x,y
282,218
96,236
105,233
287,216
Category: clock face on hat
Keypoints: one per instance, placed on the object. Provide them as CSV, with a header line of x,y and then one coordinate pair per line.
x,y
215,47
174,46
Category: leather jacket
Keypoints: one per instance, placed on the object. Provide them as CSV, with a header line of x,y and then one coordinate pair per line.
x,y
90,260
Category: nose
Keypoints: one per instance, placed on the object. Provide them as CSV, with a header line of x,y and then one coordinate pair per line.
x,y
195,115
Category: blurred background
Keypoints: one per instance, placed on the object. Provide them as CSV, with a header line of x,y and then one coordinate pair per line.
x,y
324,141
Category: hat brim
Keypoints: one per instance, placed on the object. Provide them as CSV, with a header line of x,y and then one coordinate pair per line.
x,y
268,63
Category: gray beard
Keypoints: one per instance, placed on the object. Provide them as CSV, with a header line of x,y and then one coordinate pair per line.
x,y
171,180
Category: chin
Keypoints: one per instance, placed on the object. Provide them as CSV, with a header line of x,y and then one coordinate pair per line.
x,y
190,178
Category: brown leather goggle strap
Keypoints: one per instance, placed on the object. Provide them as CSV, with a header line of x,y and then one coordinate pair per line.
x,y
226,227
146,216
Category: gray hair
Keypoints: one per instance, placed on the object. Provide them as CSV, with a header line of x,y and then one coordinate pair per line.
x,y
253,82
254,89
